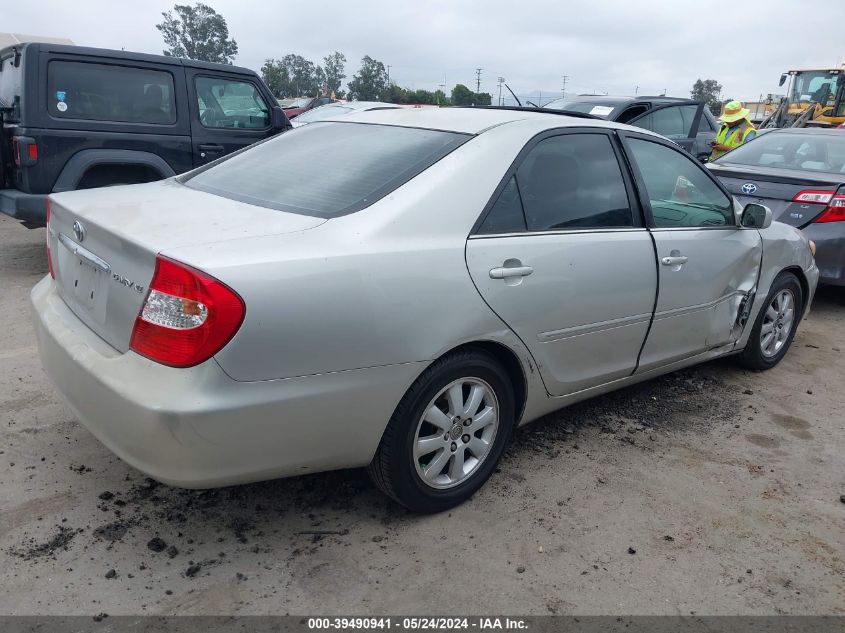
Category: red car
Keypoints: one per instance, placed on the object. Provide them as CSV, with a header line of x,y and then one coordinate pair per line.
x,y
298,105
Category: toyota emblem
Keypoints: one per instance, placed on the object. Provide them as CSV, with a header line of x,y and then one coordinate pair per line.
x,y
78,231
749,188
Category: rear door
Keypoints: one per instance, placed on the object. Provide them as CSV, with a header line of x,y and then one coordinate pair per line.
x,y
677,122
562,256
228,112
708,265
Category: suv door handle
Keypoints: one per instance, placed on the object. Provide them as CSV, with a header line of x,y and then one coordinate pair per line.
x,y
506,272
211,147
674,261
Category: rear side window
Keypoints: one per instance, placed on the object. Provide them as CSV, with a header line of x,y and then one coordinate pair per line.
x,y
101,92
327,169
229,103
572,181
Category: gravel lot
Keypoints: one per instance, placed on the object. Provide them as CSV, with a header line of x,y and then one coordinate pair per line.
x,y
709,491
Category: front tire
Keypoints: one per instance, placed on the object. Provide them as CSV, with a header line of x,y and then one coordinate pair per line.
x,y
776,324
447,434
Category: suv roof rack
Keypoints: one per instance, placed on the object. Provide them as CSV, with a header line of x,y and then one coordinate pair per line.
x,y
577,115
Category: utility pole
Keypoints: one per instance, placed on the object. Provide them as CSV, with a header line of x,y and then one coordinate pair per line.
x,y
442,89
478,80
636,90
563,87
388,74
501,81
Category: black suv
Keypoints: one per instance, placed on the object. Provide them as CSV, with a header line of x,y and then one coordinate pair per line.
x,y
688,123
77,118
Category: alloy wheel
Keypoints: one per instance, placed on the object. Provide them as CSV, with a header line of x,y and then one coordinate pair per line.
x,y
777,323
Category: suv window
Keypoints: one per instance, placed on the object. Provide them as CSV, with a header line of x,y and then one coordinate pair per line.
x,y
671,122
104,92
680,193
568,181
367,162
229,103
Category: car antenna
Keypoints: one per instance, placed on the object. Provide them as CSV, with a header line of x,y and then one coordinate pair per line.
x,y
514,96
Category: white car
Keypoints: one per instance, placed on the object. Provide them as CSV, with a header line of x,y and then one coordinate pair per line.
x,y
332,110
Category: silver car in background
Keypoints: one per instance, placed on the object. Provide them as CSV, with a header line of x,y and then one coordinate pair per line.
x,y
448,275
333,110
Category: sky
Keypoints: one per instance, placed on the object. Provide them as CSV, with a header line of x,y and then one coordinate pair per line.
x,y
615,46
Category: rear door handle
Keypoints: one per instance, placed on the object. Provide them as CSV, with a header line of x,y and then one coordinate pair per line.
x,y
674,261
211,147
506,272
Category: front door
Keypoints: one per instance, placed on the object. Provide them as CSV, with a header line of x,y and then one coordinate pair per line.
x,y
227,114
708,265
679,123
563,258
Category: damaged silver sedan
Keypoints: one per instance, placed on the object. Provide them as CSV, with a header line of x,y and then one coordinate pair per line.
x,y
444,276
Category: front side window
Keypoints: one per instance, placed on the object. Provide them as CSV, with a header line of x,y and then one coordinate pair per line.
x,y
680,193
229,103
104,92
671,122
327,169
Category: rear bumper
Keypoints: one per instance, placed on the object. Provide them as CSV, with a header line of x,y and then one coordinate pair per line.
x,y
26,207
198,428
830,251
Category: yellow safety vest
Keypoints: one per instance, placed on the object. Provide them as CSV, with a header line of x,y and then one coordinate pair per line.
x,y
733,137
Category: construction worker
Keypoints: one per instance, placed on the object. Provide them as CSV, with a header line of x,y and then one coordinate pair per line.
x,y
736,129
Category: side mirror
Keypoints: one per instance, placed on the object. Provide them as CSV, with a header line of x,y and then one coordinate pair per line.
x,y
782,79
280,119
756,216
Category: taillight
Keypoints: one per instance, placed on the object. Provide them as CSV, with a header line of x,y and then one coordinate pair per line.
x,y
24,151
187,317
835,211
48,204
813,196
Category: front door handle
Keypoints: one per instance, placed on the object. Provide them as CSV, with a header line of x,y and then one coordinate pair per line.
x,y
506,272
674,261
211,147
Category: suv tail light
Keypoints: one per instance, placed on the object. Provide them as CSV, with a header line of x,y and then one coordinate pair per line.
x,y
187,317
49,205
835,211
24,150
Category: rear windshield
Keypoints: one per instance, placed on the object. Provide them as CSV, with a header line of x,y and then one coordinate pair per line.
x,y
104,92
811,152
326,169
596,109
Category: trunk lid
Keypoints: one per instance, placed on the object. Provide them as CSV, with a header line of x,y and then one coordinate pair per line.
x,y
104,243
776,189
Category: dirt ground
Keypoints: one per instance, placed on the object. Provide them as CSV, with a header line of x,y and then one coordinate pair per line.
x,y
710,491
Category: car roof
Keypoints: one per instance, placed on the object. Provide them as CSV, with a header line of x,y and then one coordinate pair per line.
x,y
64,49
468,120
619,100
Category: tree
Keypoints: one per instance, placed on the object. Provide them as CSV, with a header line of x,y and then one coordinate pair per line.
x,y
197,32
369,82
462,96
708,91
333,67
276,77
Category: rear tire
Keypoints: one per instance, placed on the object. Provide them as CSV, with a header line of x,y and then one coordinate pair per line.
x,y
776,324
447,434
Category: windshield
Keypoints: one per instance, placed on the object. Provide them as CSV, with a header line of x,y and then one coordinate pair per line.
x,y
811,152
602,110
819,86
323,112
290,172
301,102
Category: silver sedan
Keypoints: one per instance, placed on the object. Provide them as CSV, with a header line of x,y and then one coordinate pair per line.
x,y
444,276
